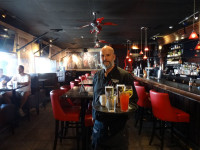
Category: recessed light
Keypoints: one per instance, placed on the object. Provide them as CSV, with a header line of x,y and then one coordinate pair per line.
x,y
171,27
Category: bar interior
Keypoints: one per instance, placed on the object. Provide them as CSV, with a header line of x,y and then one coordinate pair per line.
x,y
51,55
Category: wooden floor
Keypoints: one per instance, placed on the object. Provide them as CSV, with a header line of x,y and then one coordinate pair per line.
x,y
38,134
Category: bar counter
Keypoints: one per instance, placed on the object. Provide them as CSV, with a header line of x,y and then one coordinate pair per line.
x,y
178,88
183,97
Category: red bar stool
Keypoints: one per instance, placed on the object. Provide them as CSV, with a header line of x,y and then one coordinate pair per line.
x,y
83,77
78,80
73,83
143,103
88,125
93,72
163,111
87,75
136,83
71,114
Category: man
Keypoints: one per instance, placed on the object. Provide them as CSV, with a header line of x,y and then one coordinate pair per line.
x,y
109,132
3,81
24,80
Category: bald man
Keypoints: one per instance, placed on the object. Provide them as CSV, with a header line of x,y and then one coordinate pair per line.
x,y
109,132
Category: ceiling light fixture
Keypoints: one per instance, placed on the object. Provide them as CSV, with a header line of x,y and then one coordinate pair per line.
x,y
193,35
171,27
146,49
198,44
141,52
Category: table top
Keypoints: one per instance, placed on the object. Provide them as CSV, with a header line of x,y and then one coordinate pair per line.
x,y
75,93
86,82
104,109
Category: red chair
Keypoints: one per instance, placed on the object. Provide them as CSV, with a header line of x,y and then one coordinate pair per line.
x,y
163,111
93,72
136,83
87,75
88,125
143,103
71,114
73,83
78,80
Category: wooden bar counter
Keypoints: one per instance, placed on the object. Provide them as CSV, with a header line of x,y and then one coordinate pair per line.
x,y
183,97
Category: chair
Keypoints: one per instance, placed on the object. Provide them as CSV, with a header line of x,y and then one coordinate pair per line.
x,y
87,74
88,125
73,83
143,103
71,114
163,111
136,83
78,80
83,77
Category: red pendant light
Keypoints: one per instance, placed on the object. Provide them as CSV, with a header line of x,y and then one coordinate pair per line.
x,y
193,35
146,49
141,52
145,57
198,46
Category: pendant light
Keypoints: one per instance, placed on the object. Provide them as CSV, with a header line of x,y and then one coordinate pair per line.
x,y
141,52
146,49
193,35
198,44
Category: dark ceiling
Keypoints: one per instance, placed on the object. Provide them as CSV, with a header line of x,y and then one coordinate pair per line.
x,y
40,16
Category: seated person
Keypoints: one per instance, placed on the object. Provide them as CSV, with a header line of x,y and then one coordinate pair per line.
x,y
3,81
22,79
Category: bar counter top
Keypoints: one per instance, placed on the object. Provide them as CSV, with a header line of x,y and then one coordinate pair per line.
x,y
182,89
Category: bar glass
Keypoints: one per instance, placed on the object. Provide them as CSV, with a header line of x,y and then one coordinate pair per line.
x,y
124,101
109,92
120,89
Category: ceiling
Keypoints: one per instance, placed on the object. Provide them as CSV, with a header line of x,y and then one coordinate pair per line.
x,y
39,16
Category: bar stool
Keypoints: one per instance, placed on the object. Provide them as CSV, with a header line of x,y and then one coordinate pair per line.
x,y
88,125
136,83
71,114
143,103
163,111
78,80
93,72
73,83
87,74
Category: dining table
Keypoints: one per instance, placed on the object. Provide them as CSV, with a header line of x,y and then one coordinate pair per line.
x,y
6,88
84,96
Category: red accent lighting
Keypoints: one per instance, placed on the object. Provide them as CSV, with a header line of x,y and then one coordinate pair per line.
x,y
193,35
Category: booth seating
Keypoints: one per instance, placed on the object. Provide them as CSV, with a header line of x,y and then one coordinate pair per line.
x,y
71,114
51,82
163,111
143,103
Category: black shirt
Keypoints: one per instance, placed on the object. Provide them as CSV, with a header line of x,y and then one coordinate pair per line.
x,y
118,76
